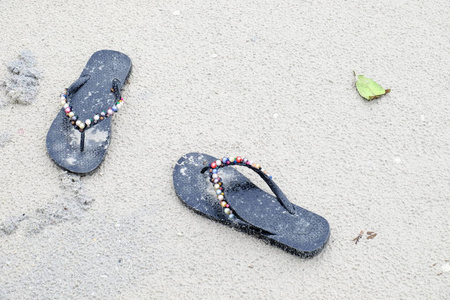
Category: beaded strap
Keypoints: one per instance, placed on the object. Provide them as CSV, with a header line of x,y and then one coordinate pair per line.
x,y
80,125
217,181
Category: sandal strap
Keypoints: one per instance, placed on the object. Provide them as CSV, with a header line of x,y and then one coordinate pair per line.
x,y
239,161
71,114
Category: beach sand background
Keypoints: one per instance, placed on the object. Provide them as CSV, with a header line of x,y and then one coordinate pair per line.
x,y
270,80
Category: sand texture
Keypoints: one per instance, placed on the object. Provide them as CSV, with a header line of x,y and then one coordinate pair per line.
x,y
269,80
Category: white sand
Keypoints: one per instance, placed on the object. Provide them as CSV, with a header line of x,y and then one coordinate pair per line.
x,y
271,80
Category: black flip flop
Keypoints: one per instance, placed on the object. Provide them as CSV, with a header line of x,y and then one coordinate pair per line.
x,y
227,196
81,132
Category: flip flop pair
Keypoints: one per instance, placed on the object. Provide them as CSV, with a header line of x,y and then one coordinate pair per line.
x,y
211,187
81,132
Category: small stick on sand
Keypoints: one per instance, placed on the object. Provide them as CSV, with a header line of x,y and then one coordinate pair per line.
x,y
356,239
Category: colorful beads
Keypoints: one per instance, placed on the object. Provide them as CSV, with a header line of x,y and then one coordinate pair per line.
x,y
217,181
97,117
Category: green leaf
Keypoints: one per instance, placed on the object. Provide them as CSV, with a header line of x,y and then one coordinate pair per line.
x,y
369,89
